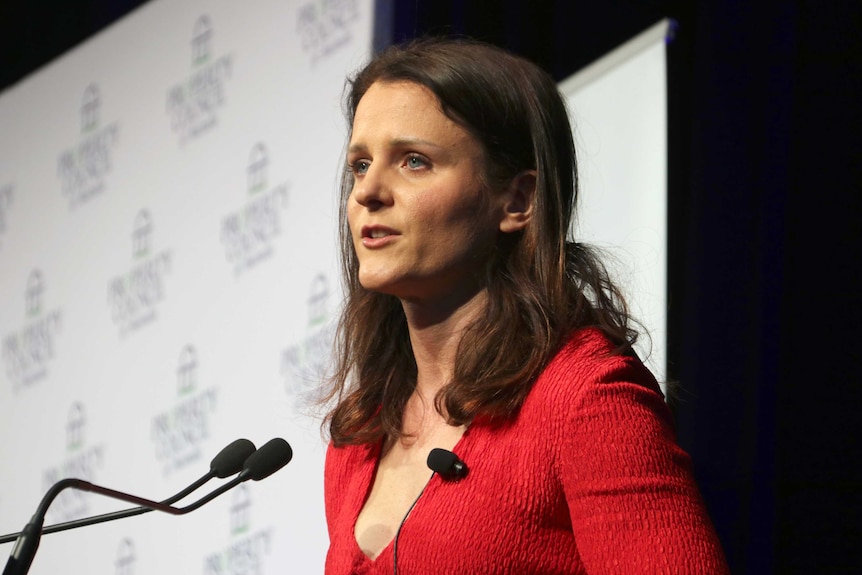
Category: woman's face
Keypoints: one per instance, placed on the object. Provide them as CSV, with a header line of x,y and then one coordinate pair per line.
x,y
423,223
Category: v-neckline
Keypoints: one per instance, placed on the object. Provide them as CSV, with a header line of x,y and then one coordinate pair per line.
x,y
370,474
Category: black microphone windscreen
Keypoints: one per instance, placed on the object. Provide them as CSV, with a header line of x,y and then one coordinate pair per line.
x,y
272,456
442,461
230,460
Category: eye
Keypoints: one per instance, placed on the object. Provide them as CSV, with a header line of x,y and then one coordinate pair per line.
x,y
416,162
359,167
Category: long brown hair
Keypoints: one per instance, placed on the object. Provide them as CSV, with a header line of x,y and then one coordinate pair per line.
x,y
540,286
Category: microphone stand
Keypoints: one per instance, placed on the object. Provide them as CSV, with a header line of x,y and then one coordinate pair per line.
x,y
274,455
229,461
114,514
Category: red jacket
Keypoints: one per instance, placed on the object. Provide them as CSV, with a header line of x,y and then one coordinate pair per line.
x,y
587,478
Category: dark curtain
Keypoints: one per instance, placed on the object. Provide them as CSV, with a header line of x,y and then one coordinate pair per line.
x,y
765,212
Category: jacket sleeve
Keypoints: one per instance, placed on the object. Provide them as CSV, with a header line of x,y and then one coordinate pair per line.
x,y
633,501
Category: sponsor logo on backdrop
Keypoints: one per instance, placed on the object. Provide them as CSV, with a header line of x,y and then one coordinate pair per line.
x,y
83,167
193,104
134,296
179,432
324,26
7,193
29,351
82,461
125,563
248,234
248,548
303,364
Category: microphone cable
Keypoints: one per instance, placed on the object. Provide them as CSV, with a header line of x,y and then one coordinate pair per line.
x,y
400,525
450,468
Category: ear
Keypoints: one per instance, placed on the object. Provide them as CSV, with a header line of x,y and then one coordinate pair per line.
x,y
518,202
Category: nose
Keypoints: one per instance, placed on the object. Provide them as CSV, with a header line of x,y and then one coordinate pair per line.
x,y
372,190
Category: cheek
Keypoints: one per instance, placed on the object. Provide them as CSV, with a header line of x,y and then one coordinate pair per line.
x,y
351,217
462,214
456,231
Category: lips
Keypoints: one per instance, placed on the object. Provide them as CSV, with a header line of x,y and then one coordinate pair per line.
x,y
377,236
377,232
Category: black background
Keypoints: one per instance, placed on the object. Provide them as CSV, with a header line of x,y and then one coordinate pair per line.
x,y
765,222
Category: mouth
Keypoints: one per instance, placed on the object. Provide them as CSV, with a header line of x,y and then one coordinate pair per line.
x,y
377,237
377,232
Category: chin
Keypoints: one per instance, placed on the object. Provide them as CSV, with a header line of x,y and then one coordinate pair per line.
x,y
373,282
386,285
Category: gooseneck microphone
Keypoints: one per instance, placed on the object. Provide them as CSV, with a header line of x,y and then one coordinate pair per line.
x,y
229,461
262,463
447,465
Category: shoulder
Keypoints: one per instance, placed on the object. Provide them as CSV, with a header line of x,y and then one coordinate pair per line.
x,y
347,471
598,404
603,408
588,364
342,462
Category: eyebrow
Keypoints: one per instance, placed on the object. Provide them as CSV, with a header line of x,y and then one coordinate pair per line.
x,y
397,143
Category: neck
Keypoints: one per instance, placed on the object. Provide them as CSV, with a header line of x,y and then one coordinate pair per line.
x,y
436,330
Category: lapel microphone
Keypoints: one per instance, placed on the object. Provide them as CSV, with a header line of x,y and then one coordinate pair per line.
x,y
447,465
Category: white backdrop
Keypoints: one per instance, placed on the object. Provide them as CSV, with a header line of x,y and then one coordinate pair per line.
x,y
168,270
619,106
168,273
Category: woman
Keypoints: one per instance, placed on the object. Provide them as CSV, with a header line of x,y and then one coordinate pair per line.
x,y
473,326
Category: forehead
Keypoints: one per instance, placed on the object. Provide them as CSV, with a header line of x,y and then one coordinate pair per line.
x,y
403,109
395,95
